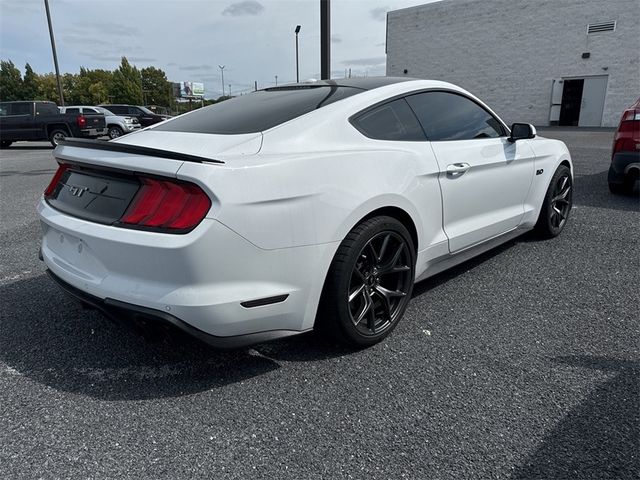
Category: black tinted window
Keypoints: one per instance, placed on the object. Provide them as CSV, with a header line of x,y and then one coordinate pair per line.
x,y
21,108
72,110
448,116
47,109
391,121
258,111
118,109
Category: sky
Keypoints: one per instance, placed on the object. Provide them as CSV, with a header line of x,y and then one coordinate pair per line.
x,y
253,39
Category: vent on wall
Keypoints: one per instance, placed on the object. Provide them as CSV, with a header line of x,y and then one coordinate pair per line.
x,y
601,27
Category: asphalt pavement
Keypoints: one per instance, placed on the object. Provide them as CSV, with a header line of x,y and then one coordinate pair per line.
x,y
521,364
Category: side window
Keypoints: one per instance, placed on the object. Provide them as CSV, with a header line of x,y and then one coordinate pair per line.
x,y
25,108
135,111
4,109
117,110
449,116
72,110
90,111
390,121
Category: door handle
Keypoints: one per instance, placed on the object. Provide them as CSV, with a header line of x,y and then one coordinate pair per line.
x,y
457,168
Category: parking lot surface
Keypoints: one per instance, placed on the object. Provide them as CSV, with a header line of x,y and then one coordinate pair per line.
x,y
520,364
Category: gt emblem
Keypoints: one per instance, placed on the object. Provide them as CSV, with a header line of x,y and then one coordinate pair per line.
x,y
77,191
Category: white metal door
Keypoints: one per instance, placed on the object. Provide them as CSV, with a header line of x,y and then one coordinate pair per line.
x,y
593,95
484,184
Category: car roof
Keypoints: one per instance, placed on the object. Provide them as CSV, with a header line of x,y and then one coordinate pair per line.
x,y
365,83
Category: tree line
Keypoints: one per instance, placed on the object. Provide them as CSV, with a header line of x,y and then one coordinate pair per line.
x,y
125,84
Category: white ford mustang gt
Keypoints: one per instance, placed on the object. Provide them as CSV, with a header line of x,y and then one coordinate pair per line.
x,y
305,206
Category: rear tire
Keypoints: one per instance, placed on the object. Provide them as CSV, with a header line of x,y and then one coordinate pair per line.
x,y
57,135
369,283
557,204
619,188
5,143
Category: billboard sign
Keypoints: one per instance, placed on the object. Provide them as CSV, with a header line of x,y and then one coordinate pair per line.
x,y
188,89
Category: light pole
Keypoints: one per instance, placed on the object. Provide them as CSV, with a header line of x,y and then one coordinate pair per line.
x,y
221,67
229,89
297,69
325,39
276,80
55,55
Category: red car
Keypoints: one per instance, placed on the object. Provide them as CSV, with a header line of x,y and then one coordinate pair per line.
x,y
625,159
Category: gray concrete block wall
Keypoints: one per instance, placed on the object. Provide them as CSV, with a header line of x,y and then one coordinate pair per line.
x,y
507,52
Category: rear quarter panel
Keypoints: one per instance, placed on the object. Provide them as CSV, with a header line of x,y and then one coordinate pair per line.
x,y
297,192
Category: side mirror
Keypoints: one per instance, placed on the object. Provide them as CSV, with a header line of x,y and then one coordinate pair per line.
x,y
522,131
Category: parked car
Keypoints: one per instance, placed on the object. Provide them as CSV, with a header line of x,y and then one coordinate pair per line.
x,y
116,124
625,158
145,116
296,207
42,121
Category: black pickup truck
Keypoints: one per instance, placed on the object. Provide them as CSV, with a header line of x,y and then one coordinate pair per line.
x,y
43,121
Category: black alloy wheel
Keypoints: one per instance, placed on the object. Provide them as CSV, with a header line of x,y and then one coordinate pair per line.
x,y
369,283
557,204
380,283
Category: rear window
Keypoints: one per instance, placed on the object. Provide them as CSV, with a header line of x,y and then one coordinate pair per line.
x,y
258,111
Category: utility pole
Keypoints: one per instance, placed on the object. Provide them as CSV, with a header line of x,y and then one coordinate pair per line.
x,y
276,80
55,55
221,67
297,30
229,89
255,85
325,39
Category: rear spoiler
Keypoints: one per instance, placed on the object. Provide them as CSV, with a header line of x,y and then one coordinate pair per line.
x,y
134,149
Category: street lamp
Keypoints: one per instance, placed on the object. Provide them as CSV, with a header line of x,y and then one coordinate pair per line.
x,y
55,55
297,30
221,67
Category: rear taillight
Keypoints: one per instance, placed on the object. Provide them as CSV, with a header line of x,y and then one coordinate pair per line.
x,y
56,178
627,137
82,121
159,204
167,205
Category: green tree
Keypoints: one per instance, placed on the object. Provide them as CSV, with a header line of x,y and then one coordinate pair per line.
x,y
70,89
29,83
92,86
157,90
10,81
47,88
126,86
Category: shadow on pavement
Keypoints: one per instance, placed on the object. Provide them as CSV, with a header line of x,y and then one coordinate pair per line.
x,y
28,173
593,191
600,438
50,339
44,146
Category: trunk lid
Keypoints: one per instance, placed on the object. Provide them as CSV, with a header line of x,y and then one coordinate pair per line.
x,y
207,145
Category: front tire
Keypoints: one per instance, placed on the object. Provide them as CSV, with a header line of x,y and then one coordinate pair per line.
x,y
557,204
57,135
115,132
369,283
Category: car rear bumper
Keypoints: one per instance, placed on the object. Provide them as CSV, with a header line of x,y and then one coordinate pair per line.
x,y
622,166
141,317
211,278
94,132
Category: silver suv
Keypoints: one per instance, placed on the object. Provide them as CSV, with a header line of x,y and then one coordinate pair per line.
x,y
116,125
